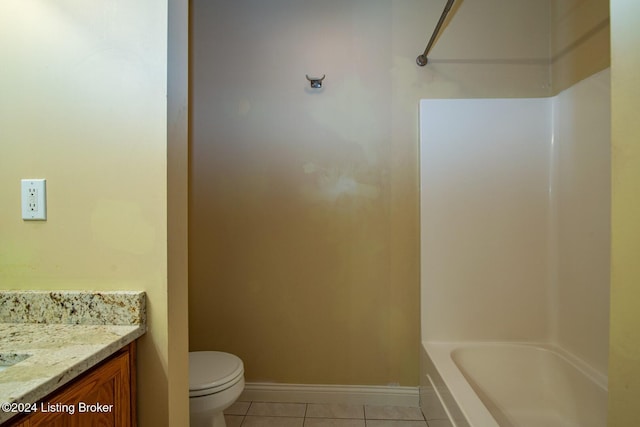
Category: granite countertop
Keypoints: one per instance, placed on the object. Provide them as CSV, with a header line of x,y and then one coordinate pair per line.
x,y
64,334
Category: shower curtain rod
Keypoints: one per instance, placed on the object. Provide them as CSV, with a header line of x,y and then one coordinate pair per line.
x,y
422,59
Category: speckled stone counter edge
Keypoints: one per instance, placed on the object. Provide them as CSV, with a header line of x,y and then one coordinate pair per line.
x,y
73,307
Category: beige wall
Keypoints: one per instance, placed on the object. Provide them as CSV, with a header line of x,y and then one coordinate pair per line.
x,y
304,205
624,369
84,105
579,40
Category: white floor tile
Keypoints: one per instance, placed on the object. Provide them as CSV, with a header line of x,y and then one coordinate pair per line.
x,y
233,420
393,413
276,414
333,422
315,410
440,423
238,408
396,423
257,421
277,409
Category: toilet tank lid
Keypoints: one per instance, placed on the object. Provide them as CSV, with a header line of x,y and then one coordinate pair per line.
x,y
210,369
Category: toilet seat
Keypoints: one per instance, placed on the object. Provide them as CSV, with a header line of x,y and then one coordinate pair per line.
x,y
212,372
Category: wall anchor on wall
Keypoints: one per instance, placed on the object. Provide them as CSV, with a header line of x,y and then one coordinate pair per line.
x,y
316,82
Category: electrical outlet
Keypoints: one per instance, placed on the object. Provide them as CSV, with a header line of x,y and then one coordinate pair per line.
x,y
34,199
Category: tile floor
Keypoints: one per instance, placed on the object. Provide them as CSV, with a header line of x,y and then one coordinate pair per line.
x,y
265,414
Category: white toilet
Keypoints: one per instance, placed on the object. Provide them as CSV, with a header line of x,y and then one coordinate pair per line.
x,y
216,380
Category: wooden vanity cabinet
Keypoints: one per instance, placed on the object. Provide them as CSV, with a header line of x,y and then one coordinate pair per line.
x,y
112,382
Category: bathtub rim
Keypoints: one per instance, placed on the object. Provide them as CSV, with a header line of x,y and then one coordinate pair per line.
x,y
467,403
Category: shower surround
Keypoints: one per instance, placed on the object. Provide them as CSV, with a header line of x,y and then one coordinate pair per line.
x,y
515,238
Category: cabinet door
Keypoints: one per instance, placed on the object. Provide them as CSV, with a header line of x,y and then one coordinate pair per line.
x,y
100,398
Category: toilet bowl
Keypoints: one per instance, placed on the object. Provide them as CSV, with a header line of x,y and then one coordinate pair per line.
x,y
216,380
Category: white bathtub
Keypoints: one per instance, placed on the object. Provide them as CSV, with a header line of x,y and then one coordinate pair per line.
x,y
510,385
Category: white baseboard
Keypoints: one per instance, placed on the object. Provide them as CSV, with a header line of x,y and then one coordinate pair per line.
x,y
319,393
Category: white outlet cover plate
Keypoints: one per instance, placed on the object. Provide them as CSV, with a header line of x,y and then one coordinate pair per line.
x,y
34,199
